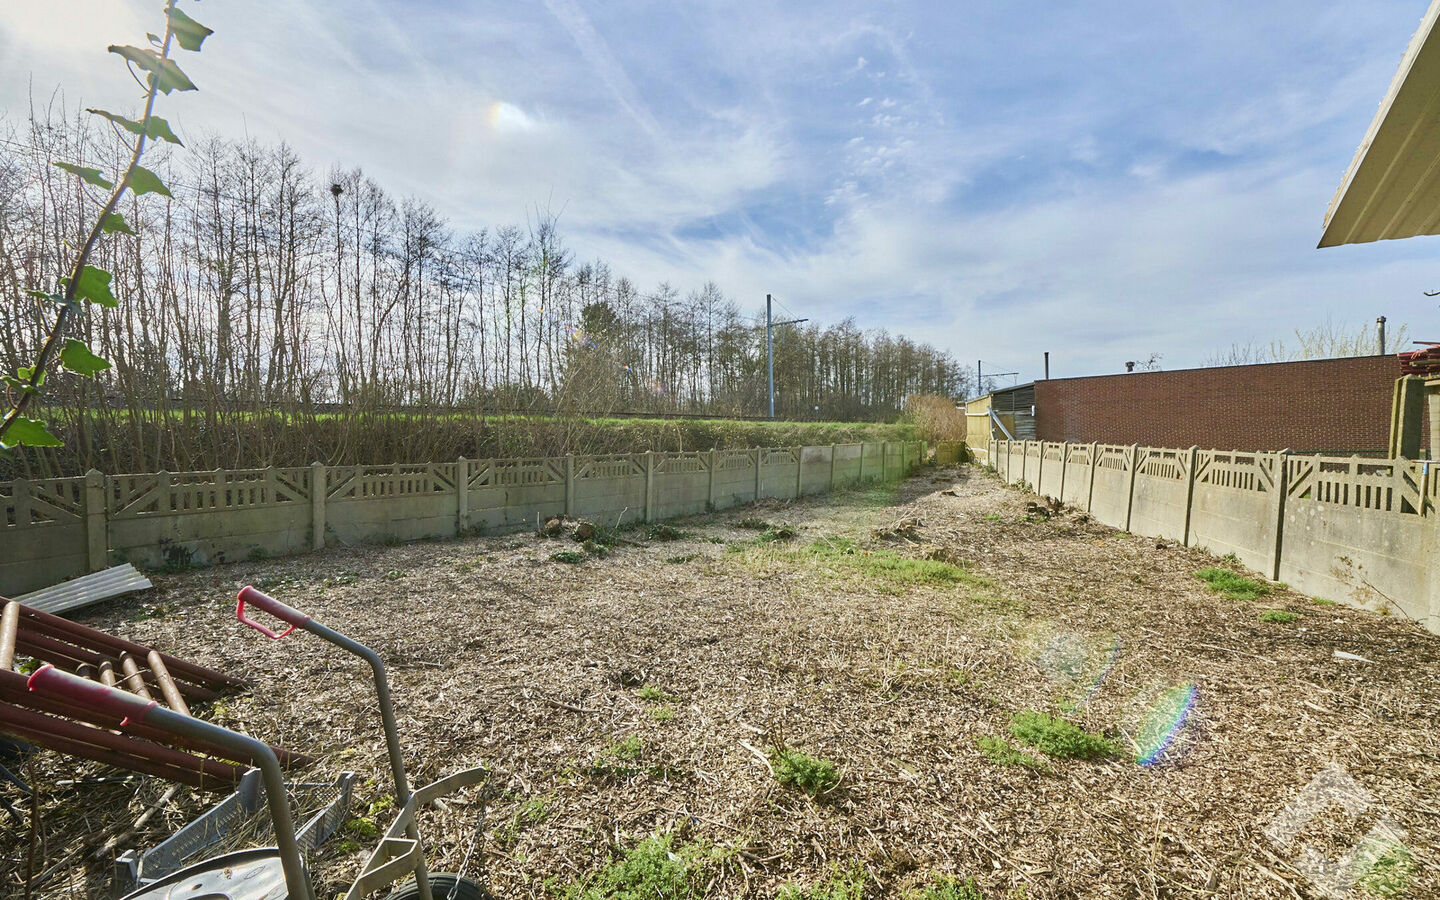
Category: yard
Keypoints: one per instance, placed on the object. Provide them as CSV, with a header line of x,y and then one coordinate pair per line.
x,y
838,698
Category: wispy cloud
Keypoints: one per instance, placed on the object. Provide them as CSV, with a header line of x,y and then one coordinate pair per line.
x,y
1109,179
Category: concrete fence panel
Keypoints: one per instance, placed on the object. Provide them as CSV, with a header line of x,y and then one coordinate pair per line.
x,y
1075,476
45,530
1050,478
1234,506
1110,493
1359,531
1161,492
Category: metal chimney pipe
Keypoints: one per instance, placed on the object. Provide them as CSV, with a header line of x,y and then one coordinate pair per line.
x,y
1047,365
1380,333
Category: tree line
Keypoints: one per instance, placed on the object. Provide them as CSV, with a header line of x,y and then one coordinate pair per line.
x,y
260,287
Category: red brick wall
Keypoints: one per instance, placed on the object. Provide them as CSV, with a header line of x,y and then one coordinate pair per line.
x,y
1338,406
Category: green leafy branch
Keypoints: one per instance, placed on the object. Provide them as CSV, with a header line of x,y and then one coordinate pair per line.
x,y
85,284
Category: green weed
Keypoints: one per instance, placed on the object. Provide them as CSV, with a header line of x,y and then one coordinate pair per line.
x,y
1057,737
753,524
573,557
1236,587
1280,616
662,532
994,517
628,748
946,887
662,714
652,694
810,774
1000,752
842,884
655,868
776,533
1383,866
363,827
889,566
682,558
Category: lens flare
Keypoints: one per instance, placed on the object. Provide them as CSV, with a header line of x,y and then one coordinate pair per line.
x,y
1079,662
1164,723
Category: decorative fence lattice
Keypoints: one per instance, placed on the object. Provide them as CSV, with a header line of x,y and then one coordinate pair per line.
x,y
1361,530
181,518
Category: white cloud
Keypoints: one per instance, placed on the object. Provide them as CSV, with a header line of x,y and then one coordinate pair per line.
x,y
965,204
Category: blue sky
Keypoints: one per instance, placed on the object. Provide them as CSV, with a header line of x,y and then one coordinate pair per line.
x,y
1102,180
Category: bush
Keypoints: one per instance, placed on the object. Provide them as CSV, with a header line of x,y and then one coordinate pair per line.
x,y
654,868
1057,737
809,773
1000,752
935,418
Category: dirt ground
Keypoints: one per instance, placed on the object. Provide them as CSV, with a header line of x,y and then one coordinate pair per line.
x,y
647,691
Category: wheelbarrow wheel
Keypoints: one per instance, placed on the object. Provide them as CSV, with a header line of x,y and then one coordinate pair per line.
x,y
443,885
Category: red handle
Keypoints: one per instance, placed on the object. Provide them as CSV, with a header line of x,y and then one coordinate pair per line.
x,y
270,605
125,706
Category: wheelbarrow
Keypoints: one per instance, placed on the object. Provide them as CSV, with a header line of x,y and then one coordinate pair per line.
x,y
279,872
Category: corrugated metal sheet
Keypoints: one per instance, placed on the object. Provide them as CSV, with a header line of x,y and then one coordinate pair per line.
x,y
1392,188
87,589
1017,404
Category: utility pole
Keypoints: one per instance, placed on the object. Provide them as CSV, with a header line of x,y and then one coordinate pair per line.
x,y
770,325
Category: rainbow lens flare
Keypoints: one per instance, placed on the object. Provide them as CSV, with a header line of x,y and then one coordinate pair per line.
x,y
1164,723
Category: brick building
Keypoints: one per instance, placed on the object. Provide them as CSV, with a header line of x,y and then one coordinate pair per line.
x,y
1332,406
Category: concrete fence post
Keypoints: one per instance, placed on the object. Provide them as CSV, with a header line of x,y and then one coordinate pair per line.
x,y
1064,468
884,461
1024,460
1282,490
1191,458
759,459
799,471
832,468
710,488
97,527
860,478
1040,468
1134,465
1094,464
570,485
649,486
318,490
1434,553
462,496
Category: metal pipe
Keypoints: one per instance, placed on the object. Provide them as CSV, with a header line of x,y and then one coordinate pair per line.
x,y
134,681
167,683
128,706
55,651
392,733
74,631
9,625
13,690
100,745
296,619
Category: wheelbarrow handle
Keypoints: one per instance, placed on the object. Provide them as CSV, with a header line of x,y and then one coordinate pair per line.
x,y
289,614
125,706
